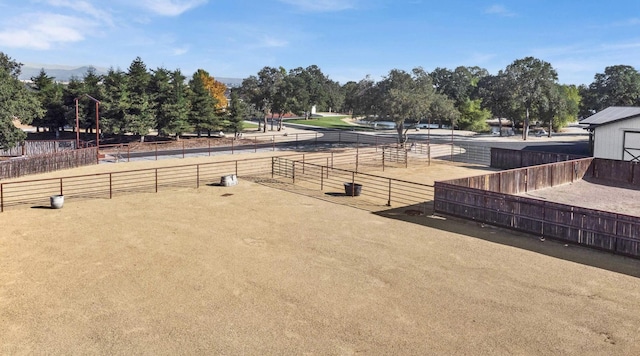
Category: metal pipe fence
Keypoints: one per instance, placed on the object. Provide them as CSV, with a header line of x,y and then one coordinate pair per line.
x,y
379,189
458,151
107,185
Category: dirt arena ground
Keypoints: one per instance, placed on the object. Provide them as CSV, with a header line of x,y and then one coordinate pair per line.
x,y
254,270
594,194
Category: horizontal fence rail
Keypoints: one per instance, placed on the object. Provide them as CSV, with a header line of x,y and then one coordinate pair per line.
x,y
107,185
49,154
457,151
385,191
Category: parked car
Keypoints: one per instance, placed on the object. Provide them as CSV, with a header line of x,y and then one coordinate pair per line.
x,y
540,132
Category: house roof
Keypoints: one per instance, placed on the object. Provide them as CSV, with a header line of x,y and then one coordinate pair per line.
x,y
611,114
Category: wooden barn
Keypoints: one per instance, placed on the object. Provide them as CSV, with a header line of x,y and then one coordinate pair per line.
x,y
614,133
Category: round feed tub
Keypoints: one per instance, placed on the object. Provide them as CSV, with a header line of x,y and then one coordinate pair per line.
x,y
352,189
57,201
229,180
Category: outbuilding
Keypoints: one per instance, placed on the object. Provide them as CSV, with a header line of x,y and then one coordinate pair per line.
x,y
614,133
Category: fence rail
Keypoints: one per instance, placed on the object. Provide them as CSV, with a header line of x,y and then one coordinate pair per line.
x,y
61,150
458,151
383,190
107,185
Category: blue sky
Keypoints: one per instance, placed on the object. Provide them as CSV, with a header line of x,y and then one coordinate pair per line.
x,y
347,39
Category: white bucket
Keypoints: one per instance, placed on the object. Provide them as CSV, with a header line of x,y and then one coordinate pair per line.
x,y
229,180
57,201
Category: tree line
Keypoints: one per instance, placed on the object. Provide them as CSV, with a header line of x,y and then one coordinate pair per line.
x,y
465,97
135,101
130,102
526,92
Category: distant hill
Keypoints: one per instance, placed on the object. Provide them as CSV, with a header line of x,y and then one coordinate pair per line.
x,y
61,74
65,73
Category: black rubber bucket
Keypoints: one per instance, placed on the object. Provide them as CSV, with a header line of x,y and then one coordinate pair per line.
x,y
352,189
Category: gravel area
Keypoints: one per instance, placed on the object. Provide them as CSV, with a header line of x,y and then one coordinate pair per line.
x,y
594,194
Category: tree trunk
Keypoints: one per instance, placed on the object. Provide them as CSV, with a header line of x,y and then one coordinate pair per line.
x,y
264,126
400,129
525,129
500,125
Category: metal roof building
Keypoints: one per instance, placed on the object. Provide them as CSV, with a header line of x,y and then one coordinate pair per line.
x,y
615,133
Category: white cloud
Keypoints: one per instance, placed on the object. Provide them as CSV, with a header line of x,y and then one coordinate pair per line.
x,y
321,5
499,10
84,7
43,30
272,42
180,51
171,7
629,22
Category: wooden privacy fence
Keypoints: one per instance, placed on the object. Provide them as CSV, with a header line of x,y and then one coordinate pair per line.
x,y
387,191
608,231
21,166
489,199
509,159
527,179
39,147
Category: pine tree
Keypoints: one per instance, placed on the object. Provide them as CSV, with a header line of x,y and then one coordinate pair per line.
x,y
202,113
50,94
138,118
237,113
115,102
170,105
16,102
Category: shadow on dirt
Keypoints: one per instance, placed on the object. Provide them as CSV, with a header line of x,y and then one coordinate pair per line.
x,y
422,214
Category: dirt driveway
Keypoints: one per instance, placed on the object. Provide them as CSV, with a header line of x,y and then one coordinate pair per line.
x,y
255,270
